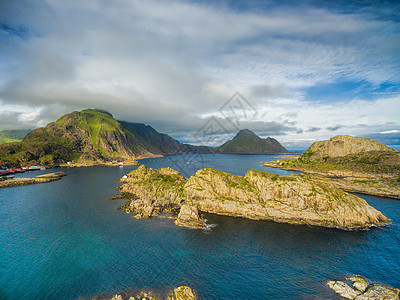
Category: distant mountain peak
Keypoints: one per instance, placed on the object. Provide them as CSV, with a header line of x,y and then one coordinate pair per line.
x,y
245,131
246,141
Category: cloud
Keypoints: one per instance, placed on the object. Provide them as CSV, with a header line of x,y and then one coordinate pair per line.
x,y
19,120
390,131
334,128
173,64
313,129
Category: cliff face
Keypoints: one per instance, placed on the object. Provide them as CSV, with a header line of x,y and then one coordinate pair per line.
x,y
342,145
247,142
298,199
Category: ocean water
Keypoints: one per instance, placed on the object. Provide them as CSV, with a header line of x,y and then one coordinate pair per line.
x,y
66,240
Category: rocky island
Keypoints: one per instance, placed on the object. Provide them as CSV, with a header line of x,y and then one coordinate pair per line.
x,y
363,289
353,164
294,199
27,181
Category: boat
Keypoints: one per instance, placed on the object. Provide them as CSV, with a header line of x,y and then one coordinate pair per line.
x,y
34,168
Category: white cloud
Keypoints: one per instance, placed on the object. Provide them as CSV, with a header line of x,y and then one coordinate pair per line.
x,y
390,131
174,63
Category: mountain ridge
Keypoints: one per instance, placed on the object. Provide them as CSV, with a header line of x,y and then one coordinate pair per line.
x,y
94,136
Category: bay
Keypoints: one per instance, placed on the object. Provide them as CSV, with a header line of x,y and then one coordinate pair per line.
x,y
65,240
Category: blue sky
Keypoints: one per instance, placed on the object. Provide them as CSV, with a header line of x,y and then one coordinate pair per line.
x,y
310,69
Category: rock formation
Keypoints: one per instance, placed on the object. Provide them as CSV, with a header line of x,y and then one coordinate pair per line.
x,y
189,216
297,199
363,290
179,293
342,145
300,199
184,293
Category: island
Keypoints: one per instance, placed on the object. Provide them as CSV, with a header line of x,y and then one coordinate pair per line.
x,y
353,164
294,199
10,182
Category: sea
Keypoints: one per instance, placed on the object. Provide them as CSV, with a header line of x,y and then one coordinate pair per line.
x,y
67,240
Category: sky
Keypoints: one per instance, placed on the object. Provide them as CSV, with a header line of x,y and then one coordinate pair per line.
x,y
298,71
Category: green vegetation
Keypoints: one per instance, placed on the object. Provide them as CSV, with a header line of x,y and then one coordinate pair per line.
x,y
12,136
90,136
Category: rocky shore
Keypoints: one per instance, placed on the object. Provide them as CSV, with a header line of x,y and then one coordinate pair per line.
x,y
295,199
362,289
27,181
179,293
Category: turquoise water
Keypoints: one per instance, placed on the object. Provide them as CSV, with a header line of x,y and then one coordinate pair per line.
x,y
65,240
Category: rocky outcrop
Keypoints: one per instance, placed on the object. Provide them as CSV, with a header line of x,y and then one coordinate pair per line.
x,y
363,290
151,192
342,145
189,216
27,181
300,199
184,293
179,293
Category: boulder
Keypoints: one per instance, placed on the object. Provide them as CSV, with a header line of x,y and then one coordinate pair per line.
x,y
189,216
363,290
343,289
184,293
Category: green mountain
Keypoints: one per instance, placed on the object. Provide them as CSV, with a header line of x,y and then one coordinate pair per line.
x,y
90,136
94,136
12,136
247,142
